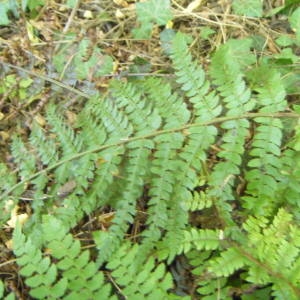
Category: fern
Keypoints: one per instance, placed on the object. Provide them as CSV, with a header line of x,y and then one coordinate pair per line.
x,y
9,296
268,249
193,153
228,77
208,287
201,240
180,148
79,277
265,164
135,281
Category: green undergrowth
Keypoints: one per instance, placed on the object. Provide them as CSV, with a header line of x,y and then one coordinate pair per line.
x,y
190,177
148,145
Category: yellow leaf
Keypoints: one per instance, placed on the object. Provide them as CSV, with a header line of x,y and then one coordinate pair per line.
x,y
17,219
30,32
193,5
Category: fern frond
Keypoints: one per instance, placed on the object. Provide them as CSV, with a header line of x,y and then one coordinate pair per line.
x,y
208,287
172,109
203,239
26,159
142,115
191,78
162,184
92,130
112,123
7,180
276,255
144,119
190,159
170,146
40,272
134,172
23,157
212,288
45,147
289,185
193,154
149,281
266,164
107,168
69,142
228,262
80,278
237,101
199,201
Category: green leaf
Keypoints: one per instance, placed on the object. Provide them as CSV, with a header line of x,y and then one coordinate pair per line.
x,y
206,32
294,20
285,40
32,4
7,6
4,8
58,290
11,296
249,8
166,37
40,292
28,270
149,13
229,261
154,11
1,288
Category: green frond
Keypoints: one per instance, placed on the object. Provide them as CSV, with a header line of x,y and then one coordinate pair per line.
x,y
208,289
113,122
203,239
68,141
169,104
265,166
92,130
163,168
207,286
142,115
106,171
23,157
228,262
207,158
80,278
289,185
46,148
134,172
230,60
40,272
7,180
198,201
147,281
191,78
237,101
274,254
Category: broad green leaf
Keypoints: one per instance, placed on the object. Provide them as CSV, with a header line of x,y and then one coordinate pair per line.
x,y
59,288
249,8
154,11
40,292
4,8
1,288
7,6
149,13
294,20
